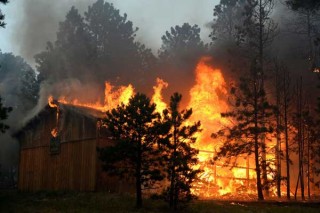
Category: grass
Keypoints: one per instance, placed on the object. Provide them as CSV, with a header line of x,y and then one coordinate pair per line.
x,y
52,202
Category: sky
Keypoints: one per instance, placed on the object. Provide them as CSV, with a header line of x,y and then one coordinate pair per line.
x,y
31,23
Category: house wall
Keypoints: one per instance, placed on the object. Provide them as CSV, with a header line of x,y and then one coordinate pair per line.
x,y
105,181
74,167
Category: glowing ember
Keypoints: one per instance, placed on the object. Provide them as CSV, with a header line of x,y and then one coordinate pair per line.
x,y
54,132
52,103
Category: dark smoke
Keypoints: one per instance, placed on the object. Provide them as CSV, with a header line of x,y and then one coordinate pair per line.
x,y
38,24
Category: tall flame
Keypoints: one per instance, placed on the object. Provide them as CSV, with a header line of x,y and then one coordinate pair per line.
x,y
208,101
157,96
113,97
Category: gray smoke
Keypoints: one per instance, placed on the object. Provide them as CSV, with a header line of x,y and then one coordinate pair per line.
x,y
38,23
38,20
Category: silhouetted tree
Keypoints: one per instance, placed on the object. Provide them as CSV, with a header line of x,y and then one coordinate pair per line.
x,y
182,42
113,38
283,100
299,124
316,145
70,55
307,26
19,80
310,157
311,5
179,53
3,110
279,123
256,35
94,47
135,128
252,115
2,24
3,116
178,153
228,20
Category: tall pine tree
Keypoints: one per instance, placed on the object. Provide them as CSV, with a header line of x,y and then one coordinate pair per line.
x,y
3,110
135,128
251,114
178,153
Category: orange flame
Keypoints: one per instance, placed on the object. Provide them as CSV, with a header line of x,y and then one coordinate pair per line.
x,y
54,132
113,98
157,96
208,99
207,102
51,102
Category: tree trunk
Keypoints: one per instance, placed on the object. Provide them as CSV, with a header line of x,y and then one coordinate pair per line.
x,y
308,162
301,142
261,66
286,134
138,177
278,157
296,190
173,191
278,132
256,144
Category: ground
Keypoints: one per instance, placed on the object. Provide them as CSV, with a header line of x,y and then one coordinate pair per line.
x,y
52,202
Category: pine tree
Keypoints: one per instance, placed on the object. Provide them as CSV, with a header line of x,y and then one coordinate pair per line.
x,y
180,51
251,114
135,129
228,20
178,153
3,110
283,95
2,24
98,41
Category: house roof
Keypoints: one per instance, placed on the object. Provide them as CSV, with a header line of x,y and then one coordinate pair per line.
x,y
47,110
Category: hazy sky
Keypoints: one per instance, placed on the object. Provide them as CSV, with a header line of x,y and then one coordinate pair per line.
x,y
31,23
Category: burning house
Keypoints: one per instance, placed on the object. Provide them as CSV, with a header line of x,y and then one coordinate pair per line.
x,y
58,151
59,145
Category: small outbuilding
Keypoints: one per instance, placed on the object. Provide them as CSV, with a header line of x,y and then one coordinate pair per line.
x,y
58,151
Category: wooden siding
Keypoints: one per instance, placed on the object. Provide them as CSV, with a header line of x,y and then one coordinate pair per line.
x,y
76,167
73,169
105,181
